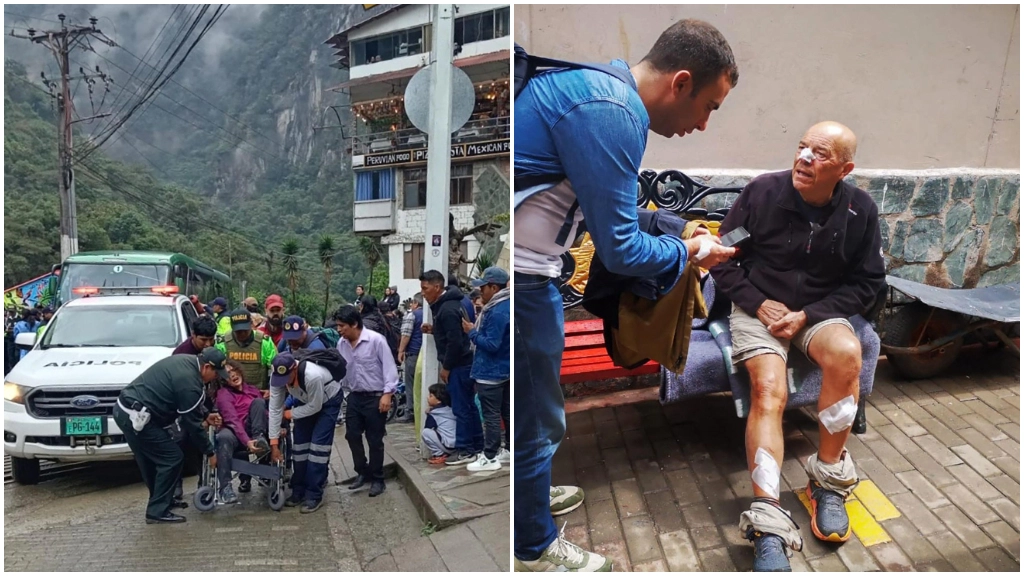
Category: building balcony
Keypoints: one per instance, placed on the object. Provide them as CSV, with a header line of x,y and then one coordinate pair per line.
x,y
373,217
483,130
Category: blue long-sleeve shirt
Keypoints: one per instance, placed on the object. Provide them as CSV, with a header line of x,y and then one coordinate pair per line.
x,y
592,128
492,341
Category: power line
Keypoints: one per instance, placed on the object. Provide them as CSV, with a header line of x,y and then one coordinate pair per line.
x,y
148,50
211,104
233,135
159,81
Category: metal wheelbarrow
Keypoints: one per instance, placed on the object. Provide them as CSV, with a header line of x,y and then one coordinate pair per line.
x,y
923,336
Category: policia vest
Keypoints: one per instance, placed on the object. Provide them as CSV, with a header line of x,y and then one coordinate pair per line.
x,y
250,357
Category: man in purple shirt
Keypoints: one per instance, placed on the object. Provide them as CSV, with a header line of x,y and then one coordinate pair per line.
x,y
371,380
204,330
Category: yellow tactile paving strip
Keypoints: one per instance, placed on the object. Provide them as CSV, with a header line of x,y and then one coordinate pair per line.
x,y
867,506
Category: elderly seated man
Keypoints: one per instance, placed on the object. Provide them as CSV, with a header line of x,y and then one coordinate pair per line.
x,y
813,259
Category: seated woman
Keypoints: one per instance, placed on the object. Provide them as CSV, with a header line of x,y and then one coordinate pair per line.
x,y
243,408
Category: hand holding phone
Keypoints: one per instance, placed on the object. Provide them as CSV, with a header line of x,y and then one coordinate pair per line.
x,y
735,237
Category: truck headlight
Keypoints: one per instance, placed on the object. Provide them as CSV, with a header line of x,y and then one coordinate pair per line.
x,y
15,392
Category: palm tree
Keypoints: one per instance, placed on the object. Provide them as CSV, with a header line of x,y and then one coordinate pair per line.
x,y
326,251
290,251
371,253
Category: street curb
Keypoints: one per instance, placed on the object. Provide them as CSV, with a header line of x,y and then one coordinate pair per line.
x,y
431,509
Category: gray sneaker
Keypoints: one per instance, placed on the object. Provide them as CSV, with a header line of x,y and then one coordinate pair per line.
x,y
227,495
564,556
565,499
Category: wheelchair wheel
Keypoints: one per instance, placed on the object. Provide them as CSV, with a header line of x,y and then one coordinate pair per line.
x,y
275,496
204,499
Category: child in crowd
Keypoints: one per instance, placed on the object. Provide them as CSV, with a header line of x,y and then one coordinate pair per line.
x,y
439,429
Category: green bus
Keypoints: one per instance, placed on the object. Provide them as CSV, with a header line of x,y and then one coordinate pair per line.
x,y
86,272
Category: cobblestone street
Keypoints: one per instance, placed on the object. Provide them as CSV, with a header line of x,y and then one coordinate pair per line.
x,y
90,518
940,470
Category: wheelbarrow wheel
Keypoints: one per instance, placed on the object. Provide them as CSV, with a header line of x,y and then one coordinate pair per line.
x,y
911,326
204,499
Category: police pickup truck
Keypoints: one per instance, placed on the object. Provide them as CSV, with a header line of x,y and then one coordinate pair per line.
x,y
59,399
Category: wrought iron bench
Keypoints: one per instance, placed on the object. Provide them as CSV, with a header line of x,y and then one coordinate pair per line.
x,y
707,371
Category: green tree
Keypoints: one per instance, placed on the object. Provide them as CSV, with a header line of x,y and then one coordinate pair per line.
x,y
326,250
290,251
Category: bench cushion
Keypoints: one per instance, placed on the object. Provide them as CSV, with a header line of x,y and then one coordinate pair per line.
x,y
706,371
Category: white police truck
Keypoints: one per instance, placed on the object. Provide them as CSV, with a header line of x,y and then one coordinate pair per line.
x,y
59,399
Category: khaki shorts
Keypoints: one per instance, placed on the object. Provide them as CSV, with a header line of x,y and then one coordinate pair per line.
x,y
751,338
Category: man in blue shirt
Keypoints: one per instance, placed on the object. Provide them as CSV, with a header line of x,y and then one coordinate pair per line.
x,y
580,139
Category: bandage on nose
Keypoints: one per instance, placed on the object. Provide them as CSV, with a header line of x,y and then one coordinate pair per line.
x,y
806,155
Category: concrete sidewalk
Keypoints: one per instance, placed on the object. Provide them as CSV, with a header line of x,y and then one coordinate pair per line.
x,y
940,470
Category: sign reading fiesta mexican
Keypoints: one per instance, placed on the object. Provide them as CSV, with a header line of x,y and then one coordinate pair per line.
x,y
475,150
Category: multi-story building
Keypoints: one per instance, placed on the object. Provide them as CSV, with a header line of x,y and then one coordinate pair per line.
x,y
382,51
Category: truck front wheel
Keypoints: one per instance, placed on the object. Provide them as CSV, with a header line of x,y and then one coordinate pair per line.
x,y
25,470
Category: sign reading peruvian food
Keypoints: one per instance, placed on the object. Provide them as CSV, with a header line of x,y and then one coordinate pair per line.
x,y
473,150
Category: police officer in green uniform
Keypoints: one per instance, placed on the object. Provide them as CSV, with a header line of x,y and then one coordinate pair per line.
x,y
174,387
250,348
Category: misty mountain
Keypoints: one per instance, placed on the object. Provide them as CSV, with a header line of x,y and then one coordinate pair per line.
x,y
235,124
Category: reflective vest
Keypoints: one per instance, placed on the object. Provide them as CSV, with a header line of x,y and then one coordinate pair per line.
x,y
250,357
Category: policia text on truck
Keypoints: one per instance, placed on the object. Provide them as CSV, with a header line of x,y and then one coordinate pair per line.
x,y
174,387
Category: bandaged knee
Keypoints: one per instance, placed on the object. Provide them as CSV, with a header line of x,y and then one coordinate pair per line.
x,y
766,473
839,416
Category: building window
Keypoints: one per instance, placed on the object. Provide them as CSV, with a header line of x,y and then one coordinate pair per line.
x,y
375,185
388,46
483,26
462,184
414,262
415,186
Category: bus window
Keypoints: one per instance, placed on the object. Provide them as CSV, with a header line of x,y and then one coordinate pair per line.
x,y
111,275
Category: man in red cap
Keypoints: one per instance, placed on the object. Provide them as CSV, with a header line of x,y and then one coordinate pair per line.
x,y
274,324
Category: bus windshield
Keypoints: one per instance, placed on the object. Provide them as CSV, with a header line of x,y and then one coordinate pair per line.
x,y
111,275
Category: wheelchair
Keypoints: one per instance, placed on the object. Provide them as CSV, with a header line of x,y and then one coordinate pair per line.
x,y
264,472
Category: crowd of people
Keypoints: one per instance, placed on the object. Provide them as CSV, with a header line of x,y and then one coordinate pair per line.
x,y
257,376
32,319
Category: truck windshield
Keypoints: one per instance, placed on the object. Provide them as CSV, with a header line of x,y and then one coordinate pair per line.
x,y
112,326
111,275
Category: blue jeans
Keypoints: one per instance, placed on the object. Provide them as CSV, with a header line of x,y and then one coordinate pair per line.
x,y
540,415
312,438
469,430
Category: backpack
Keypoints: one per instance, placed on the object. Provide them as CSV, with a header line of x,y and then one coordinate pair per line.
x,y
329,336
526,67
330,359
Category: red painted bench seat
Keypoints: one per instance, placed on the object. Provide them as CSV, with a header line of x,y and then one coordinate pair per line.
x,y
585,358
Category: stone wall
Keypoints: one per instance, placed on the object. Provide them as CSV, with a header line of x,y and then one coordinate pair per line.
x,y
948,228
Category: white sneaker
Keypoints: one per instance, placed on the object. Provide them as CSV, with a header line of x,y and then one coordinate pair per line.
x,y
564,556
504,456
565,499
483,464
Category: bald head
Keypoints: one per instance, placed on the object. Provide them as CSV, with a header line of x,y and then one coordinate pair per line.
x,y
824,157
844,141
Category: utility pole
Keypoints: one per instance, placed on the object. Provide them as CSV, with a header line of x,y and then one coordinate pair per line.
x,y
439,149
61,43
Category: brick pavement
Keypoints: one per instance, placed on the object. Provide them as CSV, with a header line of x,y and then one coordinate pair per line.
x,y
665,485
91,518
